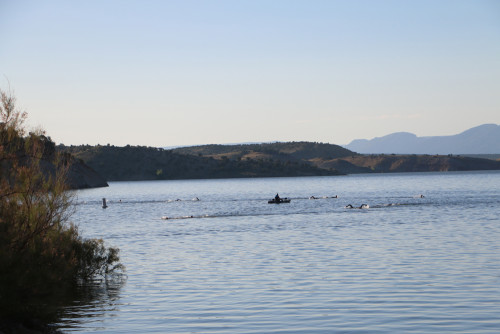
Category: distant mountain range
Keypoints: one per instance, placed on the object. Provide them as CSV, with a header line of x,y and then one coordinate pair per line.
x,y
483,139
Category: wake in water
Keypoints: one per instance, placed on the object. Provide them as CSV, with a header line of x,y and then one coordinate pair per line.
x,y
323,197
183,217
281,213
195,199
378,206
254,209
150,201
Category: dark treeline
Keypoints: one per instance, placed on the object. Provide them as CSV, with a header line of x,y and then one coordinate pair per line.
x,y
148,163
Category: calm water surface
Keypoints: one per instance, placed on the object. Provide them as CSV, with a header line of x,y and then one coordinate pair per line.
x,y
240,265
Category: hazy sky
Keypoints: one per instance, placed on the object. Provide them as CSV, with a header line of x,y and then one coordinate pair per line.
x,y
164,73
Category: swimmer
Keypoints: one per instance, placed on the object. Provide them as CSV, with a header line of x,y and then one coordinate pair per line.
x,y
362,206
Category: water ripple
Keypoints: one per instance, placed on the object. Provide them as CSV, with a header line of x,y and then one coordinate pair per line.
x,y
406,264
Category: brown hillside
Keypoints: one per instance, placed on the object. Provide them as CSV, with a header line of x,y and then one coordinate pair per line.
x,y
406,163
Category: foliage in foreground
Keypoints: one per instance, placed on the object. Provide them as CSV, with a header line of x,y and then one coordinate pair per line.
x,y
41,253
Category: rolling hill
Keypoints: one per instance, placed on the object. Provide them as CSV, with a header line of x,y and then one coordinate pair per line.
x,y
206,162
257,160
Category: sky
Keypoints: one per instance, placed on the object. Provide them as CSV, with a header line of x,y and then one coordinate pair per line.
x,y
170,73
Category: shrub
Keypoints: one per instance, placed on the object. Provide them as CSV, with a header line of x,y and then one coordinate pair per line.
x,y
41,252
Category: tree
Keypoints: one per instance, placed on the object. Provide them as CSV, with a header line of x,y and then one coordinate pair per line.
x,y
40,250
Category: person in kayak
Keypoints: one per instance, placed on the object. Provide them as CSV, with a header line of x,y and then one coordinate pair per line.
x,y
277,198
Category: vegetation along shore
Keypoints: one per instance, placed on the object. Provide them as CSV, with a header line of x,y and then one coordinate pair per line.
x,y
43,257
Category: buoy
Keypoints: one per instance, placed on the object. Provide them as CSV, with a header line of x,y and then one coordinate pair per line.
x,y
104,206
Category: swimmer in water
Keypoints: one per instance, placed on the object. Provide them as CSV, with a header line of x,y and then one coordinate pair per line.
x,y
362,206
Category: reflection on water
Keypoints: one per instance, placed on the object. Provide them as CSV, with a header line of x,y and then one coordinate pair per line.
x,y
91,300
34,314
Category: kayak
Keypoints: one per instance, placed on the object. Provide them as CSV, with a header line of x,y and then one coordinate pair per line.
x,y
281,200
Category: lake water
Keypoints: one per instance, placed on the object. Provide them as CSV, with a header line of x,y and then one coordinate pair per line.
x,y
240,265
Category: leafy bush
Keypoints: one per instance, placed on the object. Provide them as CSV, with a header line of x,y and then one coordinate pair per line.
x,y
41,253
